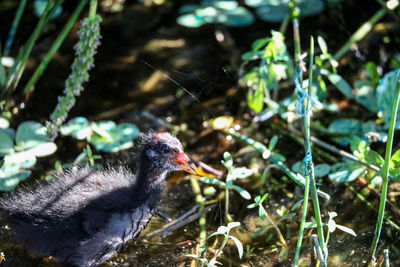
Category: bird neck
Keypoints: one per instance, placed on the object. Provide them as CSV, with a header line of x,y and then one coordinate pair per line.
x,y
150,180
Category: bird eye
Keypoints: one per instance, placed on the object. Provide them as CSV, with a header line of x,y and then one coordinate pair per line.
x,y
165,148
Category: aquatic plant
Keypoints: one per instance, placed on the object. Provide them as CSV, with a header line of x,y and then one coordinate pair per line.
x,y
106,136
20,149
225,232
85,49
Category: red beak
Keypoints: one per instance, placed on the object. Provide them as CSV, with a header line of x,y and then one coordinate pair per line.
x,y
185,163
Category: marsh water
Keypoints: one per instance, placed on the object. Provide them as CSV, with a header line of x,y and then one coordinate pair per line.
x,y
154,73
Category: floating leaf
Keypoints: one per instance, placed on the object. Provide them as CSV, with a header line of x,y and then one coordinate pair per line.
x,y
21,159
114,138
4,123
43,149
8,183
78,127
6,144
30,134
275,11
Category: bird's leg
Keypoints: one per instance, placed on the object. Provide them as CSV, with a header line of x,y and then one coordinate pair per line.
x,y
161,215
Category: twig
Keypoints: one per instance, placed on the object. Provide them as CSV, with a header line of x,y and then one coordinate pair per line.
x,y
178,223
318,250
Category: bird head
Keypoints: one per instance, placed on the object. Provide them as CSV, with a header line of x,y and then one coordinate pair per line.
x,y
164,152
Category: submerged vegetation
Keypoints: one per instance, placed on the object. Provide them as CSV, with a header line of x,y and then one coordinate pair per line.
x,y
255,84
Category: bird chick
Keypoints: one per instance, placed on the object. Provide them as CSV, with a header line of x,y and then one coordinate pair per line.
x,y
84,216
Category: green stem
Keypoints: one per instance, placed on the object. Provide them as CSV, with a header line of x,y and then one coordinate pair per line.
x,y
228,218
54,48
360,33
385,173
22,57
303,220
93,8
14,27
200,203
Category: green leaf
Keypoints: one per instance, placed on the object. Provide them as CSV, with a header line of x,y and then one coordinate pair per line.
x,y
262,213
395,159
322,45
346,229
109,137
6,144
228,159
331,226
190,20
340,83
232,225
264,197
241,173
4,122
259,43
385,93
273,142
372,70
252,205
366,96
252,55
345,127
30,134
222,230
286,217
255,99
212,181
299,167
238,245
321,170
373,157
242,192
358,145
345,172
21,159
8,183
43,149
78,128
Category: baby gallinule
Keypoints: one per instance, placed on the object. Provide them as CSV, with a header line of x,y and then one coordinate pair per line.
x,y
84,216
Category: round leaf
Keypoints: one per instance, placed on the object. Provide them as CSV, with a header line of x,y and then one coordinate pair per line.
x,y
43,150
190,20
30,134
4,123
6,144
241,173
78,128
22,159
